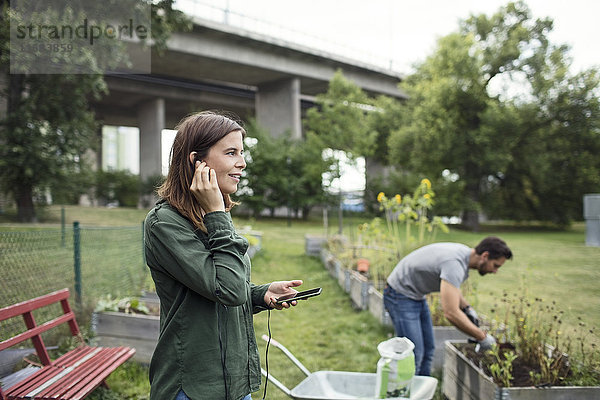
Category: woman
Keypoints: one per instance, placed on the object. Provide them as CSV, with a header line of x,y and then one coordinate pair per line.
x,y
207,348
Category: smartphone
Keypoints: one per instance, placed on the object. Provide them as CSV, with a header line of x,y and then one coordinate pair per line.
x,y
299,296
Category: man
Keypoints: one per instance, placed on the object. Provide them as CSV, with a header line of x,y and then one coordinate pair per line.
x,y
439,267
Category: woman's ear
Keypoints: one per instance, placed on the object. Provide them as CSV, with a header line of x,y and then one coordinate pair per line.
x,y
192,158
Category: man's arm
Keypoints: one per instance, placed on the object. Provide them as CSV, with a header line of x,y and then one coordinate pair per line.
x,y
452,301
462,302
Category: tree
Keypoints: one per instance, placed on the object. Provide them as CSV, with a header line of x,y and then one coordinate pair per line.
x,y
283,172
49,126
385,118
457,119
307,166
339,118
554,153
447,97
264,176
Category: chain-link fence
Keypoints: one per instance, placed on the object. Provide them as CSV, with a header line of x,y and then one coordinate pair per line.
x,y
91,262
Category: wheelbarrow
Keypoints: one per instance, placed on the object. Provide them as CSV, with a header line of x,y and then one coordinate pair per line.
x,y
341,385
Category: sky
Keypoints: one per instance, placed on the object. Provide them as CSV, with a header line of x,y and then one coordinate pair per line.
x,y
404,31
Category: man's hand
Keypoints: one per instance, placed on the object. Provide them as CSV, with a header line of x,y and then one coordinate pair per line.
x,y
278,289
452,300
486,343
472,315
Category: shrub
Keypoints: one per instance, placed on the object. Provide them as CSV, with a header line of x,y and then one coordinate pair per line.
x,y
118,186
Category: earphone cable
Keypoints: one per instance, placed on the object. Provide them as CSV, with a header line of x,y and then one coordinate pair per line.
x,y
267,352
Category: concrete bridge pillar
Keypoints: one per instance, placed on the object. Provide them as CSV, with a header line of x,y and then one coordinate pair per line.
x,y
278,107
151,121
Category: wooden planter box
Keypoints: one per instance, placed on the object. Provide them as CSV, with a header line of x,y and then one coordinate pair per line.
x,y
377,308
359,289
330,263
441,334
133,330
313,244
253,249
464,380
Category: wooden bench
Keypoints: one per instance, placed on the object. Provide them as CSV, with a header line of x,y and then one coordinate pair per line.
x,y
75,374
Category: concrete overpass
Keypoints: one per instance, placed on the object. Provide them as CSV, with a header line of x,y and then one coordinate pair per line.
x,y
218,66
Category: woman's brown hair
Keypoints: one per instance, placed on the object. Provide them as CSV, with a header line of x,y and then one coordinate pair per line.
x,y
197,132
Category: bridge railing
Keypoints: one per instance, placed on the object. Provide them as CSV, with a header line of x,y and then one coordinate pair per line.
x,y
226,16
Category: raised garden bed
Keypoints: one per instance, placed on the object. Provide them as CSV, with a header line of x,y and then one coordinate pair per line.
x,y
462,379
313,244
139,331
132,330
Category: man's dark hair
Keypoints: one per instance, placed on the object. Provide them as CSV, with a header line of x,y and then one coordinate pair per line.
x,y
496,247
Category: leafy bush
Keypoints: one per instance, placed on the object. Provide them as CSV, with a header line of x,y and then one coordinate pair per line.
x,y
68,190
118,186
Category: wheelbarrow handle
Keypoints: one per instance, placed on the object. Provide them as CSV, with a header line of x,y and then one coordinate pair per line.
x,y
275,382
287,353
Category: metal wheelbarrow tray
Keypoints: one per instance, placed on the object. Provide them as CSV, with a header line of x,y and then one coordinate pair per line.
x,y
341,385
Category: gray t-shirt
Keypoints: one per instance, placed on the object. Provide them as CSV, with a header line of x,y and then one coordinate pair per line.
x,y
421,271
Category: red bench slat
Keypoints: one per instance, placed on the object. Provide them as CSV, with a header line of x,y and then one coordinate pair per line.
x,y
29,305
36,379
71,373
104,364
78,383
36,331
79,372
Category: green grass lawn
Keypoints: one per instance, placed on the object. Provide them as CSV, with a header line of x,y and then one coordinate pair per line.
x,y
326,333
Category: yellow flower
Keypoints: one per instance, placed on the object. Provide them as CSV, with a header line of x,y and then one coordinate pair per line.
x,y
427,196
426,182
398,198
380,197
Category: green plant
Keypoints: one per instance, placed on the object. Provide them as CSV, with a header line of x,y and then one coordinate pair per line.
x,y
118,186
386,243
411,210
128,305
534,328
68,189
128,382
502,366
252,240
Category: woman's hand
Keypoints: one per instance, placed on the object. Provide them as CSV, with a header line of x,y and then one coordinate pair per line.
x,y
205,188
278,289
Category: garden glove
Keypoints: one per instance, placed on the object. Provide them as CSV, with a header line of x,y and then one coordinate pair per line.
x,y
471,314
486,343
